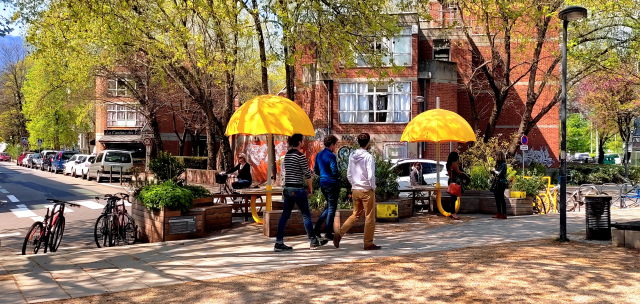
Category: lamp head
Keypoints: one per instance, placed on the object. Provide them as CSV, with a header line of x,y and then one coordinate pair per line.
x,y
572,13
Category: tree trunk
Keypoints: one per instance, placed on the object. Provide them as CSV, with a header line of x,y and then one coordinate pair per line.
x,y
601,142
157,137
212,150
261,45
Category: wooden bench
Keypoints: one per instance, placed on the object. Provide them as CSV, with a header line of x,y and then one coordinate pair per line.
x,y
626,234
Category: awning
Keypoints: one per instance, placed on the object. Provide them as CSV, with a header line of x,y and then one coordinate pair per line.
x,y
120,138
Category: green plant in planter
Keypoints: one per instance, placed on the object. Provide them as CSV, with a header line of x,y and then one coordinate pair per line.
x,y
480,178
198,191
386,179
168,195
166,167
317,200
531,185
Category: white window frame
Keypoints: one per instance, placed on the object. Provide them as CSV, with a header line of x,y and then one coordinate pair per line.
x,y
116,89
126,109
380,43
359,93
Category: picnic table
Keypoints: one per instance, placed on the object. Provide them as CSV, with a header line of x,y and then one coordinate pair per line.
x,y
248,198
421,193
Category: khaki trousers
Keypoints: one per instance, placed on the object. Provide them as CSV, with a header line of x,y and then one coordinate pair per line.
x,y
363,202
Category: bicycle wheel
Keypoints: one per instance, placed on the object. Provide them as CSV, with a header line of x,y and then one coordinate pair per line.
x,y
33,240
130,233
539,205
57,232
100,231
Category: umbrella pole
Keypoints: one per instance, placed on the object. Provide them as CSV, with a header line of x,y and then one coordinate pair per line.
x,y
269,169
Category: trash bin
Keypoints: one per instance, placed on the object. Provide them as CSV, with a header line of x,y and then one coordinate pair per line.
x,y
598,217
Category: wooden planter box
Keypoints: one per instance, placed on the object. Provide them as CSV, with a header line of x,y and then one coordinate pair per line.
x,y
520,206
295,225
155,225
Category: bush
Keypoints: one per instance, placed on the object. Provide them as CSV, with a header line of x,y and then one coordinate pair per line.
x,y
14,151
481,153
193,162
166,167
316,200
537,169
197,191
531,185
599,174
168,195
480,178
386,179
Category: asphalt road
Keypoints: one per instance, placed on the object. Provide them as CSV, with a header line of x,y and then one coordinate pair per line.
x,y
23,194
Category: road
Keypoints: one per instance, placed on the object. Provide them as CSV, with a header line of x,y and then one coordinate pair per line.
x,y
23,193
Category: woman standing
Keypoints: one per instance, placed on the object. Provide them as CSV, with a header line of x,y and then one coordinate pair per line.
x,y
456,176
500,184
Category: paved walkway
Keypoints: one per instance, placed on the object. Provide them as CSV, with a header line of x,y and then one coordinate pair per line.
x,y
90,272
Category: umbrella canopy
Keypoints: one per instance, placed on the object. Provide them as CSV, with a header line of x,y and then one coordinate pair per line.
x,y
270,114
438,125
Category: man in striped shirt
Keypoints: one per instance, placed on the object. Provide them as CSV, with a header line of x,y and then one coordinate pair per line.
x,y
296,177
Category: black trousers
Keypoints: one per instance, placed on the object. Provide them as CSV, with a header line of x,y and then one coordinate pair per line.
x,y
501,203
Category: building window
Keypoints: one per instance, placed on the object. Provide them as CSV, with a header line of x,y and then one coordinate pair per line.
x,y
118,87
367,103
441,49
395,150
396,50
124,115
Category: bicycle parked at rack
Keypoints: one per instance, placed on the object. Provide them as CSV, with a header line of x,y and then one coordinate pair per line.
x,y
115,227
47,234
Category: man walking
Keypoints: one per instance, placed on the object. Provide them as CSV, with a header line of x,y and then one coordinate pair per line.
x,y
296,173
362,176
326,166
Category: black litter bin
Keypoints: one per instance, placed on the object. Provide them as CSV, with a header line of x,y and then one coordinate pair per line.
x,y
598,217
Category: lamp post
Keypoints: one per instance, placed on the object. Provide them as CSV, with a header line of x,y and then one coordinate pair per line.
x,y
569,13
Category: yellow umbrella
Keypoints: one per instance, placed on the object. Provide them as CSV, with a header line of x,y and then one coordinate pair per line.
x,y
269,115
438,125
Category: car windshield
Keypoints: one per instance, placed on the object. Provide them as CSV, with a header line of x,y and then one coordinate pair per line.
x,y
117,157
67,155
36,156
49,154
82,158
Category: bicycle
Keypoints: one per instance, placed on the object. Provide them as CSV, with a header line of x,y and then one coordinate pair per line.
x,y
114,226
49,231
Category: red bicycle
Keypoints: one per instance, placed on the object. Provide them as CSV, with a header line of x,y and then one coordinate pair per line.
x,y
48,233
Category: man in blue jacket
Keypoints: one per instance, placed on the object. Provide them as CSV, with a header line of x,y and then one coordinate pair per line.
x,y
326,166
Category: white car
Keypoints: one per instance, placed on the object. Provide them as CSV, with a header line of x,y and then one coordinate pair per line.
x,y
71,163
110,162
428,172
82,166
26,161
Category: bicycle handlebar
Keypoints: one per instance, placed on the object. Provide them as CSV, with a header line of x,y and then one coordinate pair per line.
x,y
57,201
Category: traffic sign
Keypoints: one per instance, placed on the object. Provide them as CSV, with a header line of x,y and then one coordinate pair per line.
x,y
25,141
524,140
39,142
524,147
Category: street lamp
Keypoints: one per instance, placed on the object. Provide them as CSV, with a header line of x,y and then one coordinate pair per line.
x,y
569,13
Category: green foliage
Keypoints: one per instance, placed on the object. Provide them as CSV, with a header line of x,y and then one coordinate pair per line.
x,y
599,174
193,162
317,200
537,169
530,185
577,133
167,195
14,150
386,179
480,178
197,191
165,166
481,153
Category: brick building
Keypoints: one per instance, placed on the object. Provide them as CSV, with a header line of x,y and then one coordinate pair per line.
x,y
434,57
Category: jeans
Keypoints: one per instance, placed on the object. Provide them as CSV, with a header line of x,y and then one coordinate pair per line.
x,y
501,203
330,192
296,196
241,184
450,206
363,203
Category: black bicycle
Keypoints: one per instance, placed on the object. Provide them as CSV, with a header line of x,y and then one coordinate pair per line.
x,y
47,234
115,227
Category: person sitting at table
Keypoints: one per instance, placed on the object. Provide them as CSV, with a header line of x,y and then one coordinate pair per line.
x,y
244,173
415,177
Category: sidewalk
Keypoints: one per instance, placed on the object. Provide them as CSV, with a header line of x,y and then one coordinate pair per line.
x,y
91,272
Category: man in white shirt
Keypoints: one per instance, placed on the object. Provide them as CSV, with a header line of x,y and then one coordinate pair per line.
x,y
361,173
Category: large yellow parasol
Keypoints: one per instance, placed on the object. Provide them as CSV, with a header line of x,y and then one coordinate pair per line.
x,y
438,126
269,115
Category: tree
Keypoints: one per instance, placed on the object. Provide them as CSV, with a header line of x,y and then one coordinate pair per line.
x,y
519,49
12,78
577,133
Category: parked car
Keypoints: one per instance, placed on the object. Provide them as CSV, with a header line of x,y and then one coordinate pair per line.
x,y
82,166
5,156
47,157
27,160
71,163
403,168
60,160
110,162
21,158
36,161
581,158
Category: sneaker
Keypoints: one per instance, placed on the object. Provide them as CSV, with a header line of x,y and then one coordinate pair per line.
x,y
317,244
281,247
372,247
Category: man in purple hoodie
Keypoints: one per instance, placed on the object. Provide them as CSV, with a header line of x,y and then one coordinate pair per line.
x,y
361,173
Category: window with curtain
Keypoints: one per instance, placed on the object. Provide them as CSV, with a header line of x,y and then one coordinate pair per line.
x,y
368,103
124,115
118,87
396,50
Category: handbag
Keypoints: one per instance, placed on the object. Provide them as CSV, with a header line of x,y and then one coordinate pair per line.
x,y
454,189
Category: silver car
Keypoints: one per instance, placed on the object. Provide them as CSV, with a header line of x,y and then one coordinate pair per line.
x,y
110,162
